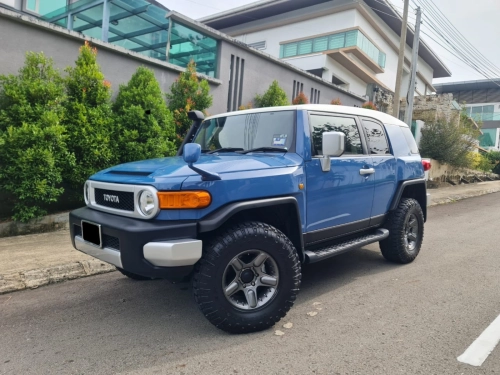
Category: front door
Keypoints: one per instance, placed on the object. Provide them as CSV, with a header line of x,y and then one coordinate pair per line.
x,y
338,201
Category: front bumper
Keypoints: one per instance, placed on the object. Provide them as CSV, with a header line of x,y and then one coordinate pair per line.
x,y
154,249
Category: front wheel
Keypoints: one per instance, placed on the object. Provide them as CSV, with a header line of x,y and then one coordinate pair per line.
x,y
248,278
406,232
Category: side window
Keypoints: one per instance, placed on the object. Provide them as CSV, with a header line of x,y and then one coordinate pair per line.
x,y
377,142
346,125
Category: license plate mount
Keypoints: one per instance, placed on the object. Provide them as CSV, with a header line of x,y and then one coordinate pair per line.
x,y
91,232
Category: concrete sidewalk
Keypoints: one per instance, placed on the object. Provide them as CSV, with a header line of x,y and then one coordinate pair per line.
x,y
40,259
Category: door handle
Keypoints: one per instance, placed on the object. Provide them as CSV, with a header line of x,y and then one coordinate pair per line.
x,y
367,171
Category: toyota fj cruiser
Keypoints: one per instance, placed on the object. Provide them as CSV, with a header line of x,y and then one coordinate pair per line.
x,y
251,197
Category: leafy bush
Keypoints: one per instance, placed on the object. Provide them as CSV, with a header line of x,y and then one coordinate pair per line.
x,y
275,96
480,162
33,155
300,99
187,93
336,102
146,126
243,107
369,105
88,118
448,143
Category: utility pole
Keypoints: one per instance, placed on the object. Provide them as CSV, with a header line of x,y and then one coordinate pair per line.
x,y
414,63
401,60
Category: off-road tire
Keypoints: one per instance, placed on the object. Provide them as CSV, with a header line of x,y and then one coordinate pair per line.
x,y
209,273
396,248
133,276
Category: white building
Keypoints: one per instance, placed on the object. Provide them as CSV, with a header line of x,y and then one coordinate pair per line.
x,y
353,44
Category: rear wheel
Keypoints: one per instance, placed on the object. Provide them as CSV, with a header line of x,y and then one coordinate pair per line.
x,y
133,276
406,232
248,278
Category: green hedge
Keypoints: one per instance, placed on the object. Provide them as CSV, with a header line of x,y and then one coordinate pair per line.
x,y
57,131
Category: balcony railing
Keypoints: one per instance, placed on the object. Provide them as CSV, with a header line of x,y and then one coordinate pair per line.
x,y
352,38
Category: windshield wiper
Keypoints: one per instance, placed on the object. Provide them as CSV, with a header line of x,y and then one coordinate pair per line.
x,y
226,149
264,149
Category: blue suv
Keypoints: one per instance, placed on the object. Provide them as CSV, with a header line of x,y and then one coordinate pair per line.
x,y
253,195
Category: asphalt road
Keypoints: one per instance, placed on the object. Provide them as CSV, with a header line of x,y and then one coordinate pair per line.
x,y
375,317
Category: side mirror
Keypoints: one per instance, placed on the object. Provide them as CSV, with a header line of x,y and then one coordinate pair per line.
x,y
333,144
192,152
196,116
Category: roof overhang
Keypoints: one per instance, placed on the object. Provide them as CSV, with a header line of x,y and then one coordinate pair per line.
x,y
483,84
269,8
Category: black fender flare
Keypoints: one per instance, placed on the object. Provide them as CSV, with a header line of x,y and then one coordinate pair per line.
x,y
400,190
216,219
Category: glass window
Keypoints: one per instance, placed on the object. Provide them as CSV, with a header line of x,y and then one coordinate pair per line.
x,y
346,125
410,140
266,129
44,7
320,44
305,47
377,142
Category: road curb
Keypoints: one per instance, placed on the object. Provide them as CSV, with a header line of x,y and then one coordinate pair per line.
x,y
33,279
459,197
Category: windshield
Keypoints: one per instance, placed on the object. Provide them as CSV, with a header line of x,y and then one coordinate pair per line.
x,y
248,131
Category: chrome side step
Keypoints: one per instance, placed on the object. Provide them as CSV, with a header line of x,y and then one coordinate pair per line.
x,y
316,255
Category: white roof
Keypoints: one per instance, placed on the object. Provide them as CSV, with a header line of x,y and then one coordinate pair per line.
x,y
336,109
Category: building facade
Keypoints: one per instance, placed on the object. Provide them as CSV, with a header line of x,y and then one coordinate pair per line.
x,y
131,33
353,44
482,103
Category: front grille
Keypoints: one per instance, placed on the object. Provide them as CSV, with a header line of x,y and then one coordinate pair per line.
x,y
120,200
111,242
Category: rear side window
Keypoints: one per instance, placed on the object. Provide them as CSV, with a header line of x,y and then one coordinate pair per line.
x,y
410,140
377,142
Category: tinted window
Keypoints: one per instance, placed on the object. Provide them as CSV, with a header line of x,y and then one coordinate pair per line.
x,y
266,129
410,140
346,125
377,142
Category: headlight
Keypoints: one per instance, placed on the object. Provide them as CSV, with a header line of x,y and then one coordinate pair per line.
x,y
86,192
146,202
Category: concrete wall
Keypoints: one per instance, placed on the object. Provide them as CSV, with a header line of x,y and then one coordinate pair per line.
x,y
260,73
118,65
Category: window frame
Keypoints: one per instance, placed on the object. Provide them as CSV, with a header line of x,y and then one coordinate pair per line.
x,y
391,152
364,144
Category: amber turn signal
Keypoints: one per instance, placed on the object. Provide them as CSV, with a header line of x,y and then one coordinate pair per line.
x,y
176,200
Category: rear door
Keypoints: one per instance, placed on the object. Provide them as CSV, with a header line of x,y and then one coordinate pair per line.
x,y
338,201
384,164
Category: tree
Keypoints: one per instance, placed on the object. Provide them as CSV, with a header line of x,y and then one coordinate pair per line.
x,y
187,93
300,99
88,118
336,102
275,96
33,156
146,126
449,143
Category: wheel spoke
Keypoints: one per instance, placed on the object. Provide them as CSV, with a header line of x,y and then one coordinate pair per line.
x,y
251,296
260,259
269,280
412,236
237,264
232,288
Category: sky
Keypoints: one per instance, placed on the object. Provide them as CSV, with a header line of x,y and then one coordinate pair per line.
x,y
477,20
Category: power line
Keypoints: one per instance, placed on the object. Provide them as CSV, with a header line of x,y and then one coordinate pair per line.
x,y
460,37
462,48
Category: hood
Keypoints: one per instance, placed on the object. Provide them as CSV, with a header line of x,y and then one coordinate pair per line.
x,y
156,170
